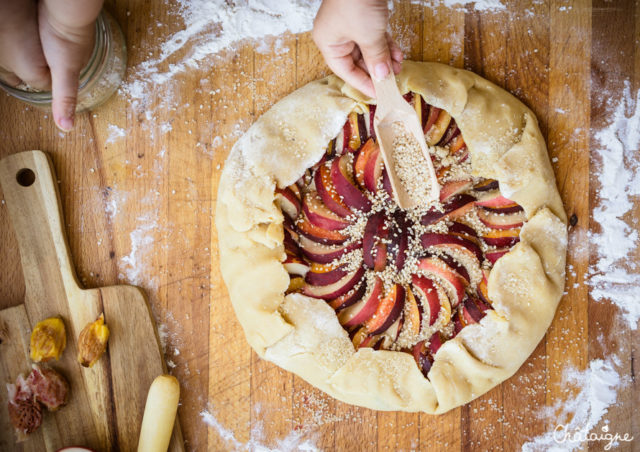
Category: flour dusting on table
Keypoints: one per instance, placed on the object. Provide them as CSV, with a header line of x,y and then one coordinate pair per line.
x,y
592,392
212,27
615,275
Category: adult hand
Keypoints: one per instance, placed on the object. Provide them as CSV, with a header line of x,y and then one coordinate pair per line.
x,y
352,36
45,45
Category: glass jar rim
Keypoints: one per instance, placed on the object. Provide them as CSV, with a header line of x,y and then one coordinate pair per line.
x,y
86,74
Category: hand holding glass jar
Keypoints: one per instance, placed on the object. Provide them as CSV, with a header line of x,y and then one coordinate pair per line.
x,y
45,45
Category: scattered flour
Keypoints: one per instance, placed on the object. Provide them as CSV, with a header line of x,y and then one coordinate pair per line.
x,y
294,441
616,274
581,412
142,238
215,26
477,5
115,133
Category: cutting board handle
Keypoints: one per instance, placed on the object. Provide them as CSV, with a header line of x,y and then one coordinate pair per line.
x,y
33,201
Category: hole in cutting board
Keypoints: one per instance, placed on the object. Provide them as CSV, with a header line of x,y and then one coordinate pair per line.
x,y
26,177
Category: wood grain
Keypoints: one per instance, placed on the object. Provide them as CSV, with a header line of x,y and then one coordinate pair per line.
x,y
140,210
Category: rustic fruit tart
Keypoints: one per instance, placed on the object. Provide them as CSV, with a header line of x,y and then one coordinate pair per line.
x,y
421,309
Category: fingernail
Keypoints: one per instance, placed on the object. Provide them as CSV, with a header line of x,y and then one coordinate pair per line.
x,y
381,70
66,124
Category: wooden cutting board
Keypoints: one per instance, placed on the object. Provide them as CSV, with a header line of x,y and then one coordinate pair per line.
x,y
106,401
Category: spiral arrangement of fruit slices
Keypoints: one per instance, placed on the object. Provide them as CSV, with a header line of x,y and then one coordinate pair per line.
x,y
398,280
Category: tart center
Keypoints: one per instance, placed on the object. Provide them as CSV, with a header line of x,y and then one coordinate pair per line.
x,y
401,280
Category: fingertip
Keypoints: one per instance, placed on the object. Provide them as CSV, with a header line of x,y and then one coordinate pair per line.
x,y
65,124
397,67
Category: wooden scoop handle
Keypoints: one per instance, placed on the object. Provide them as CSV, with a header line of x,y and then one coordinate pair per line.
x,y
35,210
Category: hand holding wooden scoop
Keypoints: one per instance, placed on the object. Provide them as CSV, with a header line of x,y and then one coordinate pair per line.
x,y
395,116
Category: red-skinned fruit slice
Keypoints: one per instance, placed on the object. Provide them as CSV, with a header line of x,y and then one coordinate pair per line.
x,y
435,240
328,193
426,289
317,234
487,185
345,187
458,324
483,287
454,208
452,188
495,201
373,171
399,239
363,309
432,117
374,248
336,289
451,133
513,208
501,221
324,254
288,202
319,215
413,320
423,357
464,230
323,275
437,267
295,266
455,265
388,311
502,237
386,183
437,131
456,145
362,158
350,298
435,342
493,256
471,313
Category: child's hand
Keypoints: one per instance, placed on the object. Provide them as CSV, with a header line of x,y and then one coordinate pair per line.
x,y
352,36
45,44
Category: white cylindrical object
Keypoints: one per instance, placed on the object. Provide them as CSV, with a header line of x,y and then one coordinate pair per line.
x,y
159,414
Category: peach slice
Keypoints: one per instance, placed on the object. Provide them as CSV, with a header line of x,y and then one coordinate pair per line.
x,y
342,179
445,273
487,185
323,254
426,289
374,248
511,208
399,239
471,312
436,132
288,202
453,188
319,215
435,342
414,311
463,230
432,117
373,170
456,207
388,310
494,255
363,309
495,201
318,234
445,241
483,288
349,298
502,221
296,284
386,183
451,132
456,145
502,237
323,275
328,193
295,266
455,265
362,158
423,358
336,289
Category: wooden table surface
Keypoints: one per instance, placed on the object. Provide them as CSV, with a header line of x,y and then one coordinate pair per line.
x,y
140,209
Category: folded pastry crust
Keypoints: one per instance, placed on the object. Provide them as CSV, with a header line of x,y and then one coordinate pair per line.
x,y
303,335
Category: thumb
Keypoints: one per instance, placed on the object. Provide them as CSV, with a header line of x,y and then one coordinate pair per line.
x,y
64,90
377,57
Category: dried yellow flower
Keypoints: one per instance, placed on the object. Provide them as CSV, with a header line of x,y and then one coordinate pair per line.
x,y
48,340
92,342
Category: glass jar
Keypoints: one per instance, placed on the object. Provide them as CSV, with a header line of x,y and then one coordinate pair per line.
x,y
99,79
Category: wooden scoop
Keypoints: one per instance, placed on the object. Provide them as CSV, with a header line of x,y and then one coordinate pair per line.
x,y
392,108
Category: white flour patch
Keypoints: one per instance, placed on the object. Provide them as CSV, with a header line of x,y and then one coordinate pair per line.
x,y
615,276
596,391
212,27
133,266
476,5
115,133
294,441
